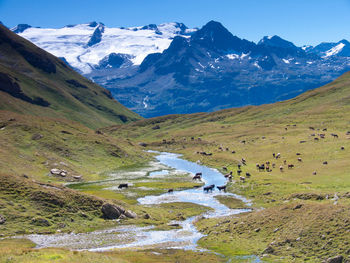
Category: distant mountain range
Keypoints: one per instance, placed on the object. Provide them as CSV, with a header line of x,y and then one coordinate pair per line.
x,y
169,68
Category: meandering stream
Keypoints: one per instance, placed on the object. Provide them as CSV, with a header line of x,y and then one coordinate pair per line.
x,y
127,236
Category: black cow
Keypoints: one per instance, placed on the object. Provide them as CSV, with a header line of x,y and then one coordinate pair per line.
x,y
209,188
121,186
222,188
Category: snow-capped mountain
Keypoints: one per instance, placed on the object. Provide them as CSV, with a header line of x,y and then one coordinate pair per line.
x,y
340,49
84,46
168,68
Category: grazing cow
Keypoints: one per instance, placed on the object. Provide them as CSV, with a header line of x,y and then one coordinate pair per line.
x,y
121,186
324,129
239,172
314,173
222,188
298,153
224,168
278,155
239,166
312,134
335,135
286,128
198,176
285,162
302,142
273,165
290,166
281,168
243,161
299,159
230,178
274,155
267,163
170,190
209,188
228,175
322,135
247,174
348,133
312,128
325,162
261,167
342,148
268,168
316,139
233,151
242,179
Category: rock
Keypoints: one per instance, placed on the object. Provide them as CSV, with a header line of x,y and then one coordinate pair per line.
x,y
55,171
40,222
37,136
130,214
298,207
77,177
269,250
336,259
143,144
2,220
111,211
157,127
257,229
146,216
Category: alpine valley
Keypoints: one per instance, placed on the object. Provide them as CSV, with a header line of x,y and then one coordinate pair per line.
x,y
169,68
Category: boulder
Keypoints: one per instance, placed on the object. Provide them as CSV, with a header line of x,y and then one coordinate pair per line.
x,y
55,171
130,214
37,136
40,222
336,259
269,250
111,211
2,219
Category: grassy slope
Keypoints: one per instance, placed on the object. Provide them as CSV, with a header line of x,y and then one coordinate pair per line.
x,y
39,74
267,129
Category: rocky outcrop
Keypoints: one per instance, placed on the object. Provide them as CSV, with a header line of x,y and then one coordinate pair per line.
x,y
336,259
2,220
60,172
111,211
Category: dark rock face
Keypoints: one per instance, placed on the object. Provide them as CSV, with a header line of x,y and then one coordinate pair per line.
x,y
336,259
40,222
96,36
115,60
8,85
20,28
111,211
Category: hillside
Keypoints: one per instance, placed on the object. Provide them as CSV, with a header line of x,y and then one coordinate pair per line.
x,y
305,215
35,82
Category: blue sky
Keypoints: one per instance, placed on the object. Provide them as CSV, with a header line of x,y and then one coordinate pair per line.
x,y
300,21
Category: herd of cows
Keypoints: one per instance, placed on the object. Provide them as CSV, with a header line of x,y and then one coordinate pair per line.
x,y
261,167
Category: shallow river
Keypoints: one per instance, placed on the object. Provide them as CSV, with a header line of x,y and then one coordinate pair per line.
x,y
145,237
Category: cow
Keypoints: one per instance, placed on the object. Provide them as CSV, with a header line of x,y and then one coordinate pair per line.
x,y
298,153
290,166
196,177
278,155
224,168
285,162
342,148
170,190
314,173
281,168
239,172
335,135
247,174
242,179
222,188
209,188
228,175
261,167
325,162
121,186
300,160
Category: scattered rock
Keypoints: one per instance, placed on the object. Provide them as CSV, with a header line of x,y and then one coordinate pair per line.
x,y
77,177
111,211
336,259
98,132
143,144
157,127
298,206
146,216
2,219
40,222
130,214
269,250
257,229
37,136
55,171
